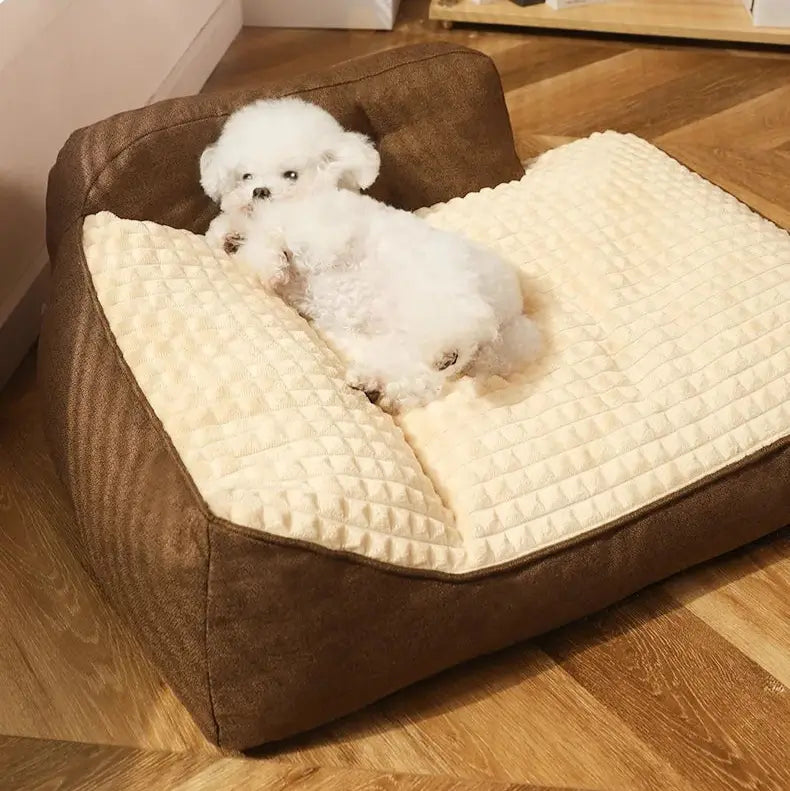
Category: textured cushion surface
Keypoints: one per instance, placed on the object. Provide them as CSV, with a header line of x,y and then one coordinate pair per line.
x,y
665,304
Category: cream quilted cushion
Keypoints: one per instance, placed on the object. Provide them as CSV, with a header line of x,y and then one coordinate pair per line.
x,y
665,303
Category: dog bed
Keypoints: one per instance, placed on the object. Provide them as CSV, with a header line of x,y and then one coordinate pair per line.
x,y
287,551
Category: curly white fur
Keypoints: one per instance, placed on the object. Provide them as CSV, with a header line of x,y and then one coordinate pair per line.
x,y
406,305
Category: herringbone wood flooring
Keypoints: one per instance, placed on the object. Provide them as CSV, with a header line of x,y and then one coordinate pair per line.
x,y
684,686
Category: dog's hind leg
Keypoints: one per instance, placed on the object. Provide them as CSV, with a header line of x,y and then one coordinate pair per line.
x,y
517,344
389,376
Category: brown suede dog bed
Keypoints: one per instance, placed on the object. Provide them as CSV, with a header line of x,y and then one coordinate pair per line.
x,y
287,552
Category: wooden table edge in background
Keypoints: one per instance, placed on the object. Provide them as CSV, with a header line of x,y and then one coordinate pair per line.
x,y
711,20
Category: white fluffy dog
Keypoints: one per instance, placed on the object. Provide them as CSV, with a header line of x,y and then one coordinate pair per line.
x,y
407,305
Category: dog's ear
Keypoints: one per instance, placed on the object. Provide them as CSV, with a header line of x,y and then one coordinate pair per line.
x,y
212,174
354,161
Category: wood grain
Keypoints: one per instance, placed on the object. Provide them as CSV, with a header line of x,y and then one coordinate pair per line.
x,y
681,688
717,20
684,686
494,718
761,123
744,598
31,765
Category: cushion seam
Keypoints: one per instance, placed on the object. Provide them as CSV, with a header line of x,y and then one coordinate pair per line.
x,y
371,75
621,523
209,686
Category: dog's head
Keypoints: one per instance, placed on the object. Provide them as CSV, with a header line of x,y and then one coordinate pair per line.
x,y
284,148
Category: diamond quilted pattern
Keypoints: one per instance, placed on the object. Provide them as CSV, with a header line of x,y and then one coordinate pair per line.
x,y
666,305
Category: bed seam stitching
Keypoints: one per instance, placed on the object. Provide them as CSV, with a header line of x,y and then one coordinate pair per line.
x,y
209,685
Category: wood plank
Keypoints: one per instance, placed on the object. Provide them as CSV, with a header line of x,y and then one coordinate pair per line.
x,y
719,20
250,777
42,765
758,178
713,715
761,123
495,718
541,58
716,84
651,92
577,102
744,598
286,52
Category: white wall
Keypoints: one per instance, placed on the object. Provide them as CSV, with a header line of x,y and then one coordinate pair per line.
x,y
65,64
769,13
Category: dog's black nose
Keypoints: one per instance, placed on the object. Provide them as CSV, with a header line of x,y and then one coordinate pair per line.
x,y
261,192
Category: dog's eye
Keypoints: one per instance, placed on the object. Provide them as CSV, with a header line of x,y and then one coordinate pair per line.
x,y
291,175
247,176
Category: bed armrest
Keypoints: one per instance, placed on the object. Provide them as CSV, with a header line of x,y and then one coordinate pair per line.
x,y
436,112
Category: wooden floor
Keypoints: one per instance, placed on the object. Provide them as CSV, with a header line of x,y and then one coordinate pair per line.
x,y
684,686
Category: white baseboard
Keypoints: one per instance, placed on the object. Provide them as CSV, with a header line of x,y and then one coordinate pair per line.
x,y
20,313
350,14
197,63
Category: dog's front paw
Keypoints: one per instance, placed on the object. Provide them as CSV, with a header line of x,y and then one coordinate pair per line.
x,y
365,384
225,233
396,396
279,272
409,393
218,234
232,243
272,266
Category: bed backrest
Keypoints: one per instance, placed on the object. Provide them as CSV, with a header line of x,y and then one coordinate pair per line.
x,y
436,112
